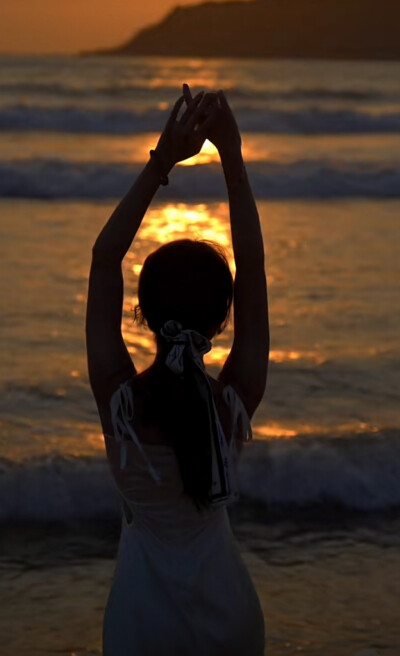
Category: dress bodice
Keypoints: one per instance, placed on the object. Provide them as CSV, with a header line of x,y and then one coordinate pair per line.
x,y
149,482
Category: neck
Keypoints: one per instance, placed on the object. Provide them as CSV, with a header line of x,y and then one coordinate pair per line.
x,y
160,358
161,353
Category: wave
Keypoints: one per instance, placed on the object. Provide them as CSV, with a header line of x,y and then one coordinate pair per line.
x,y
355,473
270,121
319,179
146,88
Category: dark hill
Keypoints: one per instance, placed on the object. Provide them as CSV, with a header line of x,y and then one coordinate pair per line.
x,y
323,29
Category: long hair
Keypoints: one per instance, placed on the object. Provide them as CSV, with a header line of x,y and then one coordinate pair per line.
x,y
188,281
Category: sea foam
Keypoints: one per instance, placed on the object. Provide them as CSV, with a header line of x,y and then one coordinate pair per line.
x,y
355,473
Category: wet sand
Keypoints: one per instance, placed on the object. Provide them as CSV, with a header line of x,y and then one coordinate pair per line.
x,y
331,595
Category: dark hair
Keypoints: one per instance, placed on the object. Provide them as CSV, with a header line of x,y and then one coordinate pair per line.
x,y
188,281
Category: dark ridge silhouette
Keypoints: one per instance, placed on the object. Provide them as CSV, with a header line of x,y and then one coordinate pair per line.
x,y
315,29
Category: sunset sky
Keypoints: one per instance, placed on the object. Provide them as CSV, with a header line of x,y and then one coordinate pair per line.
x,y
68,26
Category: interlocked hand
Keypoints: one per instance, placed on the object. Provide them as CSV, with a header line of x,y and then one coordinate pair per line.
x,y
184,137
219,122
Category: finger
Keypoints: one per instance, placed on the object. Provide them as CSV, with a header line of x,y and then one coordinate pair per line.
x,y
187,93
209,98
222,99
191,108
205,125
175,110
207,106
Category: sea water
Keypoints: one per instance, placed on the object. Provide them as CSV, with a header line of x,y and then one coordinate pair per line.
x,y
318,520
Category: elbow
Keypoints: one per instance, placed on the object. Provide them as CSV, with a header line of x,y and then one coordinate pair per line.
x,y
263,376
98,253
104,257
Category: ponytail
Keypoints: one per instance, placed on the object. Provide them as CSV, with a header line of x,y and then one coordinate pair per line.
x,y
180,407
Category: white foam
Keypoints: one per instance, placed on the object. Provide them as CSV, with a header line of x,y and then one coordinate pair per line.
x,y
360,472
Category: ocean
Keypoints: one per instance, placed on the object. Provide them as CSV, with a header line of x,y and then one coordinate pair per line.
x,y
318,521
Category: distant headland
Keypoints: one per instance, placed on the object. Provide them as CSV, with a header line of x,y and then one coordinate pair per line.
x,y
308,29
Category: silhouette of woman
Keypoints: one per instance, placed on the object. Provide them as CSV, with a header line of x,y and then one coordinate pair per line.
x,y
173,434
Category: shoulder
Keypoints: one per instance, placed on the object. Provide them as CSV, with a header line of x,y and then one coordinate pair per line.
x,y
224,394
231,411
111,398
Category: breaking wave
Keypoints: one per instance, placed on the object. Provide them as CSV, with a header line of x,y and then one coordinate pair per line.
x,y
311,120
355,472
309,179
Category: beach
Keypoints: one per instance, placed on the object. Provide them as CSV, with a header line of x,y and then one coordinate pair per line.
x,y
318,519
324,589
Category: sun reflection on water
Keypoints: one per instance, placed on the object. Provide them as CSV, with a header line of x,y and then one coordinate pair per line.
x,y
207,155
136,268
281,356
179,221
272,431
162,225
167,223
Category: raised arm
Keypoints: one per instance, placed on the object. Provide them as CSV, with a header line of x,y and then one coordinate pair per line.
x,y
109,362
247,364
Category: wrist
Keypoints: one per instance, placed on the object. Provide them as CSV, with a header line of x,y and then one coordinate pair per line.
x,y
231,153
164,159
233,166
160,167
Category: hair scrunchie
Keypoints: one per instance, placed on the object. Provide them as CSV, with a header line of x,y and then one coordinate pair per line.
x,y
184,340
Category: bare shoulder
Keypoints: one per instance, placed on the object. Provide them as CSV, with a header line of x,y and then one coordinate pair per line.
x,y
144,419
104,403
224,411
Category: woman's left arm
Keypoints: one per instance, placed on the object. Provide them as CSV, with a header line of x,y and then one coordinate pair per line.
x,y
109,362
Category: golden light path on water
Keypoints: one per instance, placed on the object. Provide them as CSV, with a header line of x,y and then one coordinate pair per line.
x,y
202,221
207,155
314,358
121,150
133,150
304,364
165,224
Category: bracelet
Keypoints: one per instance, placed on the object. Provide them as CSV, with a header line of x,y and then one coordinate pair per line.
x,y
163,177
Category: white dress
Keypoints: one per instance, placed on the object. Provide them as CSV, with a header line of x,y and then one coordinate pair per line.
x,y
180,586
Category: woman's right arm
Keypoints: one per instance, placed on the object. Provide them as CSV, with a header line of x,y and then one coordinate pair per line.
x,y
247,364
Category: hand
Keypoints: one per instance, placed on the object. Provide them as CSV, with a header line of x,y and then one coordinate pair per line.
x,y
183,138
222,129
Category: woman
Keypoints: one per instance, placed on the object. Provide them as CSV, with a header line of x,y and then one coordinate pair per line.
x,y
173,433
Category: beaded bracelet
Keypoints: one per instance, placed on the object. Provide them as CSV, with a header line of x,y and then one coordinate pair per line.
x,y
163,177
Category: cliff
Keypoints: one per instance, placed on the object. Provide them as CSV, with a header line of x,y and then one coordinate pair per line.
x,y
316,29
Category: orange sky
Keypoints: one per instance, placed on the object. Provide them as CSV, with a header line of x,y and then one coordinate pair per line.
x,y
68,26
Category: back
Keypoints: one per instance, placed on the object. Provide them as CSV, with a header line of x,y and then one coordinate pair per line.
x,y
145,467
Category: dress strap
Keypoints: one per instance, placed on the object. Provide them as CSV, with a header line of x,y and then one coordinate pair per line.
x,y
121,416
243,432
